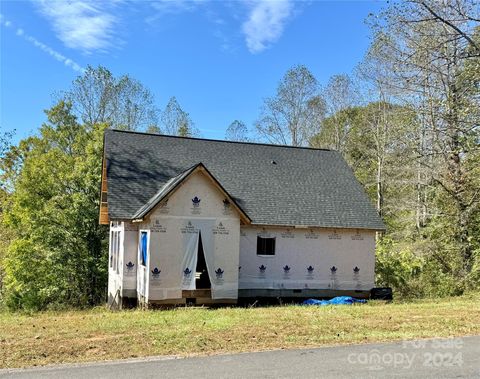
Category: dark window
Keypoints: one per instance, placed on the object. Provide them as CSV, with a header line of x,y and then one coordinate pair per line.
x,y
104,197
265,246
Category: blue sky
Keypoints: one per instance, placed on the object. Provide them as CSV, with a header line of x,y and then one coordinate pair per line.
x,y
220,59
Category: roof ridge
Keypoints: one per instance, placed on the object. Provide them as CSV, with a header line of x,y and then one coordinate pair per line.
x,y
219,140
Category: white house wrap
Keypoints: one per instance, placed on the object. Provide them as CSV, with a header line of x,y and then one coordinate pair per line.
x,y
217,220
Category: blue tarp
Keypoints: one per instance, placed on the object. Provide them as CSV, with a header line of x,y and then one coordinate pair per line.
x,y
143,247
339,300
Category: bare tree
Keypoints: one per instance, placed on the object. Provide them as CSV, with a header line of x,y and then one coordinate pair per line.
x,y
237,131
175,121
294,115
340,95
99,97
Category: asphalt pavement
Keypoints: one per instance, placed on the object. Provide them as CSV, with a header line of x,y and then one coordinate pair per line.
x,y
435,359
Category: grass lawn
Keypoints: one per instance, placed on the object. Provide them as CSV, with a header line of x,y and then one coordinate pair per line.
x,y
99,334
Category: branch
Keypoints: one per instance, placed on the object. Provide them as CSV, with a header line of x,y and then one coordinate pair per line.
x,y
454,27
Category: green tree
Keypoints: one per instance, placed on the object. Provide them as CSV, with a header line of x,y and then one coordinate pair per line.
x,y
5,234
58,254
426,51
5,138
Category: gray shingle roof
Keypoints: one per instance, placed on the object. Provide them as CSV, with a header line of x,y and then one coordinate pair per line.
x,y
274,185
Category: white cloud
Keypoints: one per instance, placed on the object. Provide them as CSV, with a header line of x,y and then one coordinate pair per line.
x,y
265,24
84,25
45,48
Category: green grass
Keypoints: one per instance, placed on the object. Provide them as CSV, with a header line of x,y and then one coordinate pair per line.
x,y
99,334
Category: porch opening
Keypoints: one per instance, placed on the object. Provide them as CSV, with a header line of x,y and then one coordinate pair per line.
x,y
202,279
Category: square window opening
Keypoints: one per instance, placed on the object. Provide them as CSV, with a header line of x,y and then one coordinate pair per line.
x,y
265,246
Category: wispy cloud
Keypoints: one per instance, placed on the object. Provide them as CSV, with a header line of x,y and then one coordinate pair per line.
x,y
162,8
266,22
83,25
40,45
178,6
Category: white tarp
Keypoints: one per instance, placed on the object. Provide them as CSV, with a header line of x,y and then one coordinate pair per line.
x,y
220,241
190,258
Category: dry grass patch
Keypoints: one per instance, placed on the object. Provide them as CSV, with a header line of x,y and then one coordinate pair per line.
x,y
99,334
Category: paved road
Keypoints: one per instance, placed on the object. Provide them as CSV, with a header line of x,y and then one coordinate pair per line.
x,y
439,358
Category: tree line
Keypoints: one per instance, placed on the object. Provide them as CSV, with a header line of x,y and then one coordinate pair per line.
x,y
407,122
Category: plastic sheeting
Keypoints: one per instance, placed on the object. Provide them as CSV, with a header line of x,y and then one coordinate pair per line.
x,y
218,236
173,253
339,300
190,258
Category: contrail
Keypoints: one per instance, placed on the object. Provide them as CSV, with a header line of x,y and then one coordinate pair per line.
x,y
45,48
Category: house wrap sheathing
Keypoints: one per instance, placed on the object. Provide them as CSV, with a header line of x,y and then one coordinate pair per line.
x,y
217,220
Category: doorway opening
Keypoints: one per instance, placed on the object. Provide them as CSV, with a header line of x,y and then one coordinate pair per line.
x,y
202,280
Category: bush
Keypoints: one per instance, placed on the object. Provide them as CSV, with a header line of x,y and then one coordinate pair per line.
x,y
414,271
398,269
